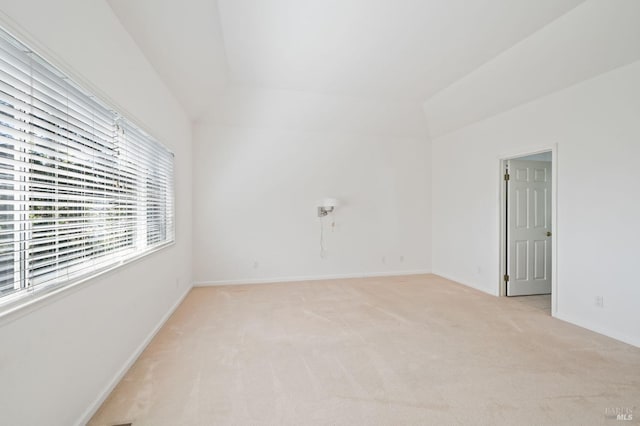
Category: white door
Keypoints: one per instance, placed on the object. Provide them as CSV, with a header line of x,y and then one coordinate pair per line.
x,y
528,227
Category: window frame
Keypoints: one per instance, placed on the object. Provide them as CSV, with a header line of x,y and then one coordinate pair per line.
x,y
32,295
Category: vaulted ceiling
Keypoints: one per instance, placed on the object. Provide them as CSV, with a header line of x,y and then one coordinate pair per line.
x,y
380,49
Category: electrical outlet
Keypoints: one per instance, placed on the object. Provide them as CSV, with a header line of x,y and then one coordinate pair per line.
x,y
401,259
177,282
256,264
384,259
600,301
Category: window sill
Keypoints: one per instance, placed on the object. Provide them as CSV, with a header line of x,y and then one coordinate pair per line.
x,y
40,297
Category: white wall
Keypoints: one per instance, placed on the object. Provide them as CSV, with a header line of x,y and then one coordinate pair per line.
x,y
595,37
58,359
596,127
263,159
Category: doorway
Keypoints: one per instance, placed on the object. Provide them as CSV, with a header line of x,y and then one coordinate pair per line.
x,y
527,226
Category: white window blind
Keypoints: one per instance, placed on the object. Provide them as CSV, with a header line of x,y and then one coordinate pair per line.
x,y
81,188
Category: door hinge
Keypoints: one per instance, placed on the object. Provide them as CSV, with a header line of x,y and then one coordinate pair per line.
x,y
506,278
506,176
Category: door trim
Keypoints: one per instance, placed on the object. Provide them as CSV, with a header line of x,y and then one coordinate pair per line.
x,y
502,218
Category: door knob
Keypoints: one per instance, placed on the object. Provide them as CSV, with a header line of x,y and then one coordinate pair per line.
x,y
548,233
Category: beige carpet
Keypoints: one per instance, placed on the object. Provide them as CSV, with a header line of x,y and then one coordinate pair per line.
x,y
416,350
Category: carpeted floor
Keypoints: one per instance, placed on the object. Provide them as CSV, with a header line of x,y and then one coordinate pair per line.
x,y
415,350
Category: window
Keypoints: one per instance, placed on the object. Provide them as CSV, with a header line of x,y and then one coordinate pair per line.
x,y
82,189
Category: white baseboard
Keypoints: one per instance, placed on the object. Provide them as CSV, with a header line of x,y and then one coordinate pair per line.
x,y
470,285
93,408
598,329
580,323
309,278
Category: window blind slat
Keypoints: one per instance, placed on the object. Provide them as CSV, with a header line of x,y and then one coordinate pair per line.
x,y
81,187
31,71
40,105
